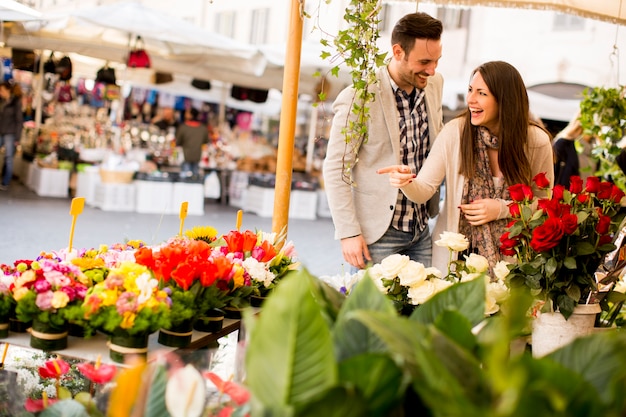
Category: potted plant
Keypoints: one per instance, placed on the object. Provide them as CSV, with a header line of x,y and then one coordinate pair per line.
x,y
128,306
603,116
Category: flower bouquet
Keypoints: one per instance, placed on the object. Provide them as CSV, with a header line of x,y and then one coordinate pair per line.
x,y
185,272
48,292
560,241
266,258
408,283
128,306
7,303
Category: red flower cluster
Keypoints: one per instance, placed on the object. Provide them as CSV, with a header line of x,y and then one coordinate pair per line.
x,y
559,241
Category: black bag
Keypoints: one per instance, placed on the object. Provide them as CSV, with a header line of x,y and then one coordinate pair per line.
x,y
201,84
252,94
50,65
64,68
106,75
163,77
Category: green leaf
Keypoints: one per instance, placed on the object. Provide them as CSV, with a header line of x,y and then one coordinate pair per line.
x,y
65,408
155,405
468,298
336,402
377,379
350,336
584,248
570,262
293,358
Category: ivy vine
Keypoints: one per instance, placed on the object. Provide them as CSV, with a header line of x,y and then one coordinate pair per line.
x,y
356,47
603,116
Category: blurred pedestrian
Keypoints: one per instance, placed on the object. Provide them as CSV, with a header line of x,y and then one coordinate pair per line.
x,y
191,136
11,124
572,153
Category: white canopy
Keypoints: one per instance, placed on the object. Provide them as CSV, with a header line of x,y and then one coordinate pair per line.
x,y
10,11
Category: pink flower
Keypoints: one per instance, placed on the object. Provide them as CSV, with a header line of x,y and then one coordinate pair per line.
x,y
42,285
54,368
44,300
100,374
127,302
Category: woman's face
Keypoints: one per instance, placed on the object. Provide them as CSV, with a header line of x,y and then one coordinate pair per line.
x,y
482,105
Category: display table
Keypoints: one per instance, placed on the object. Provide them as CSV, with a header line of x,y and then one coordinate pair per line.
x,y
90,349
49,182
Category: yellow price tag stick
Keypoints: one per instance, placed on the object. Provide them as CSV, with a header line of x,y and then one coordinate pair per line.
x,y
183,214
78,203
239,216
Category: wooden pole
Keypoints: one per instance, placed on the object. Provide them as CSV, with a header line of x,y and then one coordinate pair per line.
x,y
291,79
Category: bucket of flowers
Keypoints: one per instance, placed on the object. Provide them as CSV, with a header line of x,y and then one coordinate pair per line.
x,y
7,303
558,244
185,272
266,259
49,292
128,306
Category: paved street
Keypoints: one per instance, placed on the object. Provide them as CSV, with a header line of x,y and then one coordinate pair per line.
x,y
30,223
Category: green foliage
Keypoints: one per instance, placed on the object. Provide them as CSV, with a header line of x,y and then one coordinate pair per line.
x,y
148,320
603,116
361,358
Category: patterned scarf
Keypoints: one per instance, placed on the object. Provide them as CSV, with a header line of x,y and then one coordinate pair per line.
x,y
484,239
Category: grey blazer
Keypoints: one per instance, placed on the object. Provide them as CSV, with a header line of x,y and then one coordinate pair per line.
x,y
368,207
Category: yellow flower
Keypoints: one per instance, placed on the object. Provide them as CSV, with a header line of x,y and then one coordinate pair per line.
x,y
128,320
108,297
88,263
205,233
59,299
25,277
18,293
238,280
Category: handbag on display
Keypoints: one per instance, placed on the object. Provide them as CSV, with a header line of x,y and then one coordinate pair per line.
x,y
50,66
201,84
252,94
112,92
163,77
106,75
138,57
65,94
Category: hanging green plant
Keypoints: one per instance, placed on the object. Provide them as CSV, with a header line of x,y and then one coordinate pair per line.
x,y
603,116
357,47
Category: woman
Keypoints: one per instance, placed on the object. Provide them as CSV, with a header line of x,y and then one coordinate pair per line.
x,y
11,122
480,153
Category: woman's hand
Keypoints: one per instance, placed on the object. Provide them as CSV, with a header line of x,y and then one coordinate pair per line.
x,y
481,211
399,175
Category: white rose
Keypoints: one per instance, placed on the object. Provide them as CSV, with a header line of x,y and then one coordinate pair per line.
x,y
501,270
418,294
465,276
476,263
412,274
498,290
453,241
433,272
393,264
376,274
491,306
440,284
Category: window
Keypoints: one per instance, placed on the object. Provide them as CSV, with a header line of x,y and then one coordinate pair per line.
x,y
452,17
225,23
568,22
258,28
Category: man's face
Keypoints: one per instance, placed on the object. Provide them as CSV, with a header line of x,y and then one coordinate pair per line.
x,y
414,67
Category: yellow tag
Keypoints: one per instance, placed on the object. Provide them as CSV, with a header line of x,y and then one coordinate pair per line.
x,y
184,206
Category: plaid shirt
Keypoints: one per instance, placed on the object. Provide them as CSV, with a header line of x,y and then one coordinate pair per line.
x,y
414,145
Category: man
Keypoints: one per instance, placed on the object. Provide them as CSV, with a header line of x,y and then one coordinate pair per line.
x,y
372,219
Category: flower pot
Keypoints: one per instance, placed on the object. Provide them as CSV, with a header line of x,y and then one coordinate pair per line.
x,y
550,331
211,321
16,325
232,312
76,330
257,300
48,337
178,335
4,327
122,345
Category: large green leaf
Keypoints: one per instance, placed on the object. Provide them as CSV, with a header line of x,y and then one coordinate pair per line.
x,y
65,408
155,406
352,337
291,358
377,379
336,402
600,360
468,298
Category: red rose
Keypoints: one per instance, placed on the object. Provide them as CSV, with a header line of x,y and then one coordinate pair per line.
x,y
582,198
592,185
570,223
507,245
548,235
604,239
604,190
552,207
517,193
541,180
557,192
616,194
514,210
603,224
575,184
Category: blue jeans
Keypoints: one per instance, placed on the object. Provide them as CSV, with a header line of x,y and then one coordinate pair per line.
x,y
417,246
8,141
190,167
